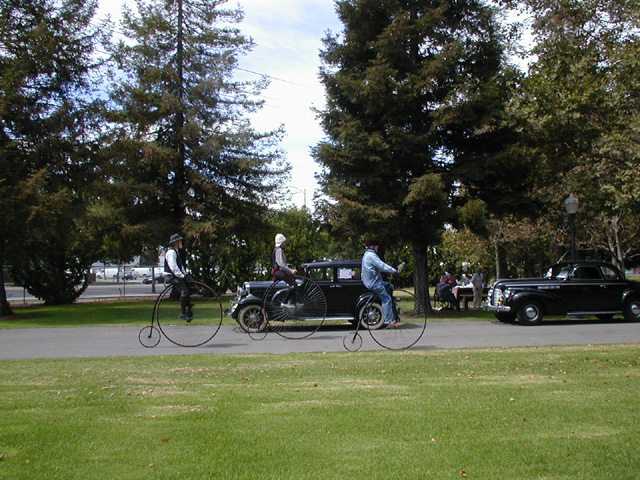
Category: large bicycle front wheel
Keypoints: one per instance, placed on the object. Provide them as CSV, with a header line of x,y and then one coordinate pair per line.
x,y
299,317
410,312
205,322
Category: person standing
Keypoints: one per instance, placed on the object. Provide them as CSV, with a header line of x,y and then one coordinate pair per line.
x,y
477,282
372,269
280,269
176,275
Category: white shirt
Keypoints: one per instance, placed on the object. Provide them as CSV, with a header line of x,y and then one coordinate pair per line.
x,y
172,261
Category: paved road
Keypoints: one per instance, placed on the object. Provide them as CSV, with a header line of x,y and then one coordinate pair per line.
x,y
95,291
123,341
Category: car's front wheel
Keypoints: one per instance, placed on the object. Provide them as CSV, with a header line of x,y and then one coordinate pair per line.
x,y
371,316
505,317
631,310
252,318
530,312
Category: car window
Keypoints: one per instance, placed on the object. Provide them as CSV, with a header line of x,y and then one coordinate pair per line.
x,y
351,273
609,274
563,273
588,273
319,273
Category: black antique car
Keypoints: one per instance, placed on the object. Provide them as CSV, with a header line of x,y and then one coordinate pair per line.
x,y
340,282
569,289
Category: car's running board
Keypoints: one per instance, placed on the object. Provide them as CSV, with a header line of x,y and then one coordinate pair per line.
x,y
604,312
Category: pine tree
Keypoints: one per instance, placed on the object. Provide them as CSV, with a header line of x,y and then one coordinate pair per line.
x,y
47,143
579,106
407,89
185,158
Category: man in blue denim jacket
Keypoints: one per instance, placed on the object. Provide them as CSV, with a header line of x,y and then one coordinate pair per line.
x,y
372,269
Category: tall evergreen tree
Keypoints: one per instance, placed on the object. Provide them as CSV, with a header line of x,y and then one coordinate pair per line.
x,y
580,106
407,87
47,146
185,158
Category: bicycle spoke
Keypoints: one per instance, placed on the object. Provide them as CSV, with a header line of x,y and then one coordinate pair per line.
x,y
204,324
412,314
299,318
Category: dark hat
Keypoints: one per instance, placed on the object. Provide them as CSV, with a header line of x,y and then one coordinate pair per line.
x,y
372,242
175,238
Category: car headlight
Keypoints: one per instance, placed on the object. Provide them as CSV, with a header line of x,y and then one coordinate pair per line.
x,y
241,292
502,296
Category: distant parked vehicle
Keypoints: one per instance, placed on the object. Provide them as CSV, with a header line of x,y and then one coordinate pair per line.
x,y
159,278
130,275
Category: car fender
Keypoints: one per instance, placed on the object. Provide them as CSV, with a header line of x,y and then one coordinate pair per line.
x,y
552,304
630,293
250,299
363,300
243,302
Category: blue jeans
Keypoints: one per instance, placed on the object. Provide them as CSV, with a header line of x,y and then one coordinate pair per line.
x,y
384,291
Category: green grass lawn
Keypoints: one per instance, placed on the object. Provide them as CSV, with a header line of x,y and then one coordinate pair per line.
x,y
520,413
137,312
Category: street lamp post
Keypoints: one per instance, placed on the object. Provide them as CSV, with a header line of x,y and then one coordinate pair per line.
x,y
303,192
571,203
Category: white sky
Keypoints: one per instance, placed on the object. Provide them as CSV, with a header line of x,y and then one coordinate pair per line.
x,y
288,35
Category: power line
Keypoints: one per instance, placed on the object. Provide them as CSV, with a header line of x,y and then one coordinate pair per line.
x,y
274,78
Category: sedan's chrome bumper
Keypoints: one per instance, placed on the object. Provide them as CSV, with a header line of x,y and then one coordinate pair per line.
x,y
496,308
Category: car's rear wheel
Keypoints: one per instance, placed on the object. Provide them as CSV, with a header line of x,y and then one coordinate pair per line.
x,y
371,316
631,310
530,312
252,318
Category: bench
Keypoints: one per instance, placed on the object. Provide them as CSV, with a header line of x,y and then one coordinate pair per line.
x,y
465,293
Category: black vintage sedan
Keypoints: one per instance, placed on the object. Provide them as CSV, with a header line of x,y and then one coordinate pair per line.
x,y
340,282
580,288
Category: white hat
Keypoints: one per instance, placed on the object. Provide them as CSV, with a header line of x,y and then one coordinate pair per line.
x,y
280,239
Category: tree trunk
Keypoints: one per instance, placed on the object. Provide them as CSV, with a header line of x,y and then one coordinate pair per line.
x,y
5,308
421,275
501,261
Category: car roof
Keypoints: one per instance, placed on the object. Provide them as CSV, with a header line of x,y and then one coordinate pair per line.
x,y
584,263
587,263
333,263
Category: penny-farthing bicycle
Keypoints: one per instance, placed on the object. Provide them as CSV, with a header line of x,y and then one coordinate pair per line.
x,y
299,317
407,309
206,310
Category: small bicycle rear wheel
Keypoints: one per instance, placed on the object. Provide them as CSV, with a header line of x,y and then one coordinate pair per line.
x,y
410,312
258,327
149,336
352,341
204,324
300,318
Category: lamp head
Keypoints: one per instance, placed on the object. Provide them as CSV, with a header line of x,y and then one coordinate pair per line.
x,y
571,203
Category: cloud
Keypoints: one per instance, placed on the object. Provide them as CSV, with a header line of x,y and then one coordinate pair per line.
x,y
288,36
